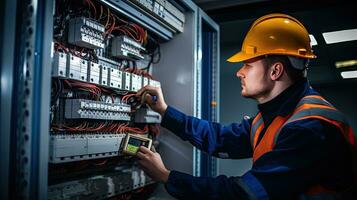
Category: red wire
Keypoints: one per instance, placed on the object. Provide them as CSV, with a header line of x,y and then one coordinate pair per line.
x,y
95,10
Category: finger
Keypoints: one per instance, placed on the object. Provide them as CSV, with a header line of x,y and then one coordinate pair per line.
x,y
141,155
142,165
149,99
144,97
139,92
150,89
145,150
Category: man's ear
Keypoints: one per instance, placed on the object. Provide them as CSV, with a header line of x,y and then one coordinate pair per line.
x,y
277,71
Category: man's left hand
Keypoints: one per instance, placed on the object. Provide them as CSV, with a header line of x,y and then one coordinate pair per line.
x,y
152,164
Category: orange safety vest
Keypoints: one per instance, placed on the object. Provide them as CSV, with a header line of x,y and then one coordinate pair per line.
x,y
309,107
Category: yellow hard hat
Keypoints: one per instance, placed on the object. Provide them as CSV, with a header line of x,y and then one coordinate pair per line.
x,y
275,34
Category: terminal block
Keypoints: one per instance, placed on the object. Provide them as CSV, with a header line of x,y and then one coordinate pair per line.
x,y
86,32
88,109
124,47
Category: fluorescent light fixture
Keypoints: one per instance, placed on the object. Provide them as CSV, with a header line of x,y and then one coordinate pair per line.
x,y
349,74
340,36
313,40
346,63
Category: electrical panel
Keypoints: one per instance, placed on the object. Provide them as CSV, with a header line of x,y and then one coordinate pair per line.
x,y
101,59
77,66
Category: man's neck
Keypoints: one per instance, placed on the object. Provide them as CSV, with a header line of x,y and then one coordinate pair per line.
x,y
277,89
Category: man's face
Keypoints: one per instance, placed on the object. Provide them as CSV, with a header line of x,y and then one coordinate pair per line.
x,y
255,79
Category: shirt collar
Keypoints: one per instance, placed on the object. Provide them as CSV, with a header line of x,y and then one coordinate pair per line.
x,y
284,103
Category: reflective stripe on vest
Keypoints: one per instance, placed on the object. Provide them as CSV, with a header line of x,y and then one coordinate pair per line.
x,y
309,107
257,127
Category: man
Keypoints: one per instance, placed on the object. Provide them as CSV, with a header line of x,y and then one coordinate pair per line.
x,y
300,144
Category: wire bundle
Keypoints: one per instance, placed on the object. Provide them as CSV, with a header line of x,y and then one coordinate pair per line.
x,y
112,23
87,87
107,127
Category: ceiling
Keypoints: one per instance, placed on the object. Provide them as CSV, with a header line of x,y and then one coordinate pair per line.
x,y
236,16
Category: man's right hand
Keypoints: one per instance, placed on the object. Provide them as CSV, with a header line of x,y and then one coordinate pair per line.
x,y
154,98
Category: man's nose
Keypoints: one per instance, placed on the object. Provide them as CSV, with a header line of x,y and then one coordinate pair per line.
x,y
239,73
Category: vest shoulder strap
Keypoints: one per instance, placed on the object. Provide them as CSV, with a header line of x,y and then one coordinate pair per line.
x,y
315,107
256,128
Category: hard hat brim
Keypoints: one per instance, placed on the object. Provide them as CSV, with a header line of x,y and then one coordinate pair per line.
x,y
240,57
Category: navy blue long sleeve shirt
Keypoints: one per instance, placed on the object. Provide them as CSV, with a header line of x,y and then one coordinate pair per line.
x,y
307,152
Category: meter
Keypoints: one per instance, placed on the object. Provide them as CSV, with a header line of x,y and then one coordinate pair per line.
x,y
133,142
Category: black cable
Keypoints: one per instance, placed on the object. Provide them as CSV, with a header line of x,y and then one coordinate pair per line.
x,y
158,53
149,64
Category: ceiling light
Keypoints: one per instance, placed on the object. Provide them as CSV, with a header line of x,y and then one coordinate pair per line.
x,y
340,36
346,63
349,74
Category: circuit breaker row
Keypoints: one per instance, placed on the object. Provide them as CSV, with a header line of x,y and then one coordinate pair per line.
x,y
88,109
120,180
68,147
101,73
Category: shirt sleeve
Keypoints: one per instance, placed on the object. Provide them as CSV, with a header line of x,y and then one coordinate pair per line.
x,y
232,141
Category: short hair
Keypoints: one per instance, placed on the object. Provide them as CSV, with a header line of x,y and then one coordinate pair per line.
x,y
293,73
